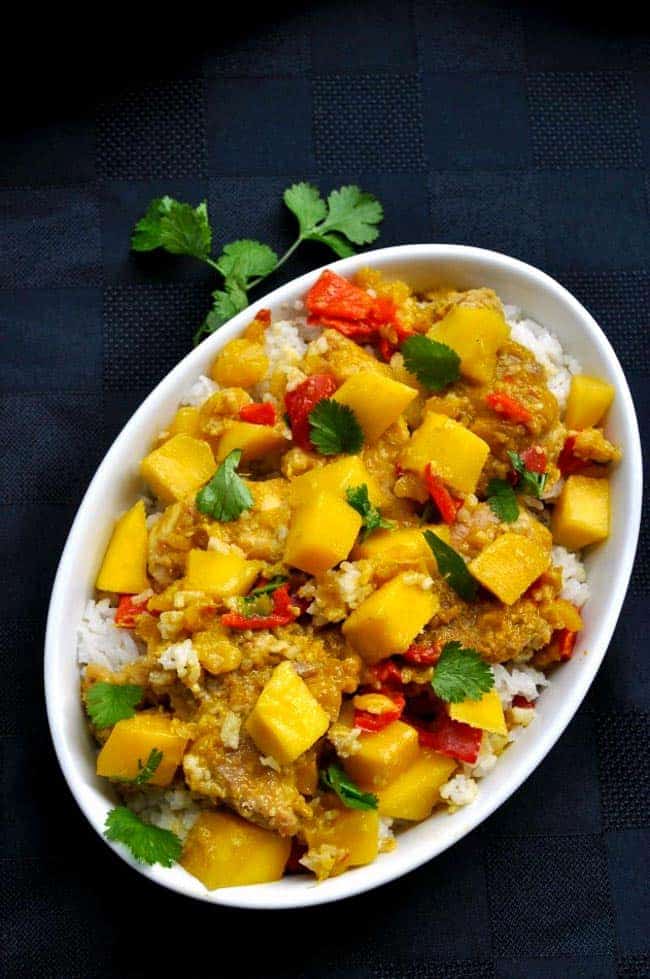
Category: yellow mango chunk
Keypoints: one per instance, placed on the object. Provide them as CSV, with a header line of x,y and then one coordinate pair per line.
x,y
216,652
335,477
388,621
486,713
322,533
476,335
455,453
413,794
383,755
405,546
124,568
509,565
220,574
178,468
589,399
255,441
223,850
240,364
581,514
185,421
354,832
287,719
132,740
377,401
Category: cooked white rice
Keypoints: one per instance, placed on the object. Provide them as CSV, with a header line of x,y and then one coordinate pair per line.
x,y
203,388
100,641
517,680
173,809
547,350
574,576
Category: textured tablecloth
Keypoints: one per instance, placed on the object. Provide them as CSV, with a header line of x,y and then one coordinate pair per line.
x,y
519,129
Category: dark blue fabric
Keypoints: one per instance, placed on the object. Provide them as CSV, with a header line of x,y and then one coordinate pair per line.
x,y
520,127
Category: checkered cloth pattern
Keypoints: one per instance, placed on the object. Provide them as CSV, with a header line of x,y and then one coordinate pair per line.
x,y
511,127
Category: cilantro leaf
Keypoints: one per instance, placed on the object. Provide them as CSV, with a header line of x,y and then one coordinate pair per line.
x,y
529,483
502,500
108,703
461,674
148,844
243,260
226,496
359,500
336,242
349,793
148,770
354,214
304,200
227,303
178,228
452,567
333,428
434,364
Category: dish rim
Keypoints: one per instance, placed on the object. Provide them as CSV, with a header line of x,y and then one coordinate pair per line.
x,y
364,878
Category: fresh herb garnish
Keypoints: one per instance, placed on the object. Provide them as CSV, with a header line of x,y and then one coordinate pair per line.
x,y
452,567
146,771
460,674
349,793
502,500
530,483
434,364
333,428
226,496
347,218
148,844
108,703
359,500
266,589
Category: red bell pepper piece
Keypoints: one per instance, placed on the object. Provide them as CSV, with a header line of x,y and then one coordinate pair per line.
x,y
383,311
263,316
386,673
509,407
302,400
423,654
258,414
452,738
128,611
283,613
519,701
568,462
534,459
447,505
377,722
386,349
356,330
333,296
566,640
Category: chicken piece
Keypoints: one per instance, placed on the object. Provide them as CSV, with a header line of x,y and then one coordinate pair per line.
x,y
443,300
261,531
498,632
380,460
219,407
343,358
180,528
590,444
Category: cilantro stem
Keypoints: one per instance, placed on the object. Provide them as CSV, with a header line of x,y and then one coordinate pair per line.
x,y
287,255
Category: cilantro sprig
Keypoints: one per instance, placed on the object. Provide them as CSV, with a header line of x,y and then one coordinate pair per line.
x,y
349,217
146,771
461,674
434,364
502,500
148,844
334,428
335,779
357,497
108,703
452,567
530,483
226,496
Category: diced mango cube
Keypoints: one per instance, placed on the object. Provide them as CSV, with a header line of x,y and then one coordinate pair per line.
x,y
405,546
581,514
218,574
131,741
388,621
216,652
224,850
383,755
509,565
377,401
353,832
322,533
124,568
413,794
589,399
475,333
287,719
178,468
486,713
455,453
335,477
185,421
255,441
240,364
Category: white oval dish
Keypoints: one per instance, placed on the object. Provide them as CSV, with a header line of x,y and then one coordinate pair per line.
x,y
116,483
